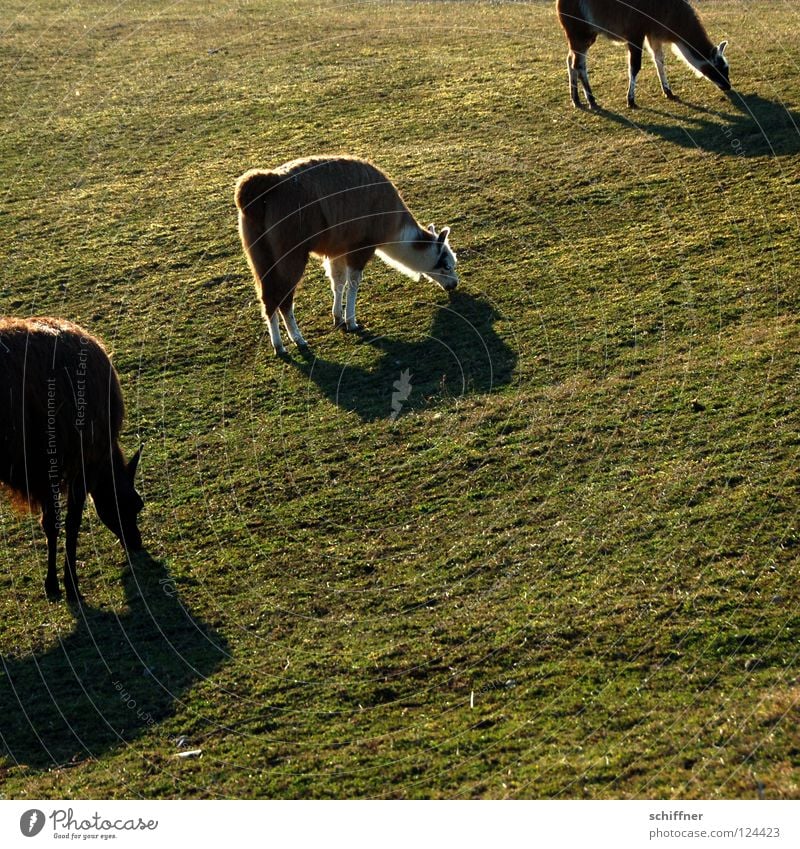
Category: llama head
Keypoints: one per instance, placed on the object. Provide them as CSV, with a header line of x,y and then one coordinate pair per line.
x,y
442,260
716,67
117,502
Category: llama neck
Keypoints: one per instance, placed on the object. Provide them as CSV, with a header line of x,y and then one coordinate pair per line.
x,y
405,252
693,42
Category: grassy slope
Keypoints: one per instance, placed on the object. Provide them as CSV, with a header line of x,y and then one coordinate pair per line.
x,y
585,518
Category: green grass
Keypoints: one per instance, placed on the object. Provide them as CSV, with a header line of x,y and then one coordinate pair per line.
x,y
569,568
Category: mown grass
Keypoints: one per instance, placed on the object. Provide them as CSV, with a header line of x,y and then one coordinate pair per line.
x,y
569,567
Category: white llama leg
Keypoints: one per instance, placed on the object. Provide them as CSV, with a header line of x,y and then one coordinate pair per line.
x,y
658,58
292,329
353,279
274,326
336,269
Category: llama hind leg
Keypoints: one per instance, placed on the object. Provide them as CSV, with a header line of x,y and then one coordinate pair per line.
x,y
270,314
634,66
578,72
573,81
277,295
287,313
269,311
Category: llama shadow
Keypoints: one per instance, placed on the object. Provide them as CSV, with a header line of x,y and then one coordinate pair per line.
x,y
110,680
753,127
461,355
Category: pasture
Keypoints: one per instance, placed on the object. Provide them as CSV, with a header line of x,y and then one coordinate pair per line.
x,y
567,566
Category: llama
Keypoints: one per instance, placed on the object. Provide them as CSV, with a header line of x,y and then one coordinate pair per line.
x,y
60,419
343,210
639,22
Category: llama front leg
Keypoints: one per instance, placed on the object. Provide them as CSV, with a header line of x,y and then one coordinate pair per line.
x,y
353,279
658,59
336,269
75,503
50,523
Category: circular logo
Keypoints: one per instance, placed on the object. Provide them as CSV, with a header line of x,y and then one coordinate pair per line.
x,y
31,822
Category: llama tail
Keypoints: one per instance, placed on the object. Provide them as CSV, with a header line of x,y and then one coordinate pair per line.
x,y
252,192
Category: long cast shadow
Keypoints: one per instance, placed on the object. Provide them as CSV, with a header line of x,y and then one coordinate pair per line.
x,y
111,679
753,127
461,355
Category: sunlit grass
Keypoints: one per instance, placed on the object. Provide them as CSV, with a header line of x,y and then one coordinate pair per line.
x,y
569,566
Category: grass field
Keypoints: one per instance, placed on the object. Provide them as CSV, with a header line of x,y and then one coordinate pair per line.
x,y
569,566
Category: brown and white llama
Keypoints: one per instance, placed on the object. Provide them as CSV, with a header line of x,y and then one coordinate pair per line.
x,y
60,419
343,210
653,23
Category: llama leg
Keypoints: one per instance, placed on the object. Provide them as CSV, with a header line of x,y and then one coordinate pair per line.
x,y
658,58
573,80
269,309
634,66
336,269
75,502
270,314
287,313
277,290
353,279
50,527
583,75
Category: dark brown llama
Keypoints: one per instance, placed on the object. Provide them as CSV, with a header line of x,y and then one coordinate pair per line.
x,y
343,210
61,411
653,23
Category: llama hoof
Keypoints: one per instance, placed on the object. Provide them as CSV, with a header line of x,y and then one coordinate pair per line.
x,y
280,353
671,95
52,591
632,104
356,328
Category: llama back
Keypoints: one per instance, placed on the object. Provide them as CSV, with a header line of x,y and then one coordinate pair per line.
x,y
324,205
62,407
661,21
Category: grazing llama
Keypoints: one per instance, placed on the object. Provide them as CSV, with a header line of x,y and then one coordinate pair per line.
x,y
60,419
639,22
342,210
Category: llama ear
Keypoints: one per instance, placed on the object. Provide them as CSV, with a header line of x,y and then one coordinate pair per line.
x,y
444,234
432,229
721,48
134,463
